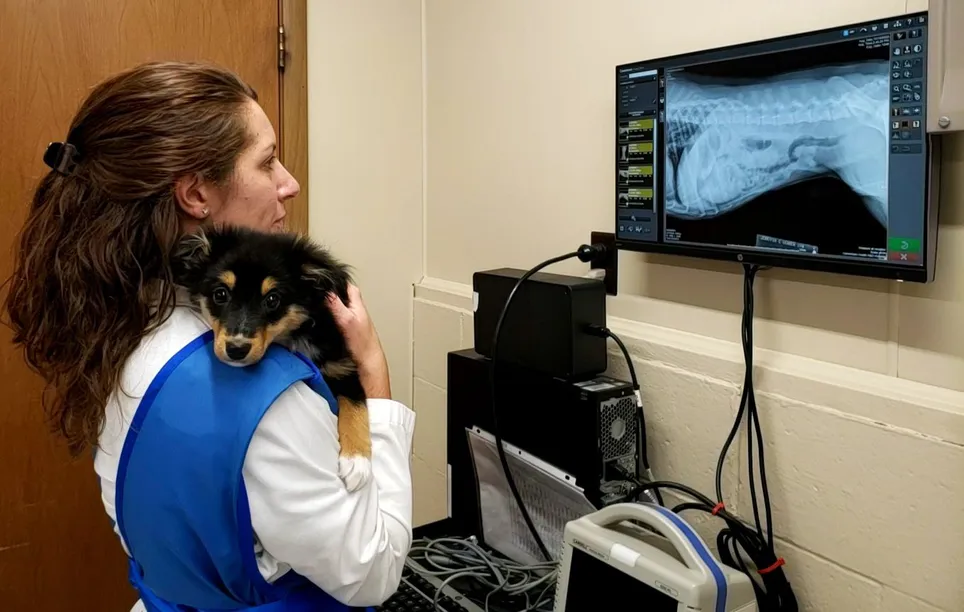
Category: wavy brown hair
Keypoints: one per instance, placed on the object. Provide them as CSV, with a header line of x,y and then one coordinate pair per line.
x,y
93,271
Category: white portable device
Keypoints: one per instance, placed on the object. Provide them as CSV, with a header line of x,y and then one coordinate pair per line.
x,y
611,562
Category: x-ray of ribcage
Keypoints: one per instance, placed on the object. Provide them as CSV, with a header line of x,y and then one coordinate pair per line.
x,y
729,143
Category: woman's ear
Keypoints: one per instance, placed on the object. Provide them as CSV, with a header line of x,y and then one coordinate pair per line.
x,y
196,196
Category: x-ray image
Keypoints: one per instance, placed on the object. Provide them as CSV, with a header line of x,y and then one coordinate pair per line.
x,y
803,146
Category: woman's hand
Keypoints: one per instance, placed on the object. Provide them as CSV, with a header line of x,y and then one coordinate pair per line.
x,y
363,343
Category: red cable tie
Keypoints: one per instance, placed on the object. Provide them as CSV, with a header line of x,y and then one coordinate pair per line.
x,y
773,567
717,508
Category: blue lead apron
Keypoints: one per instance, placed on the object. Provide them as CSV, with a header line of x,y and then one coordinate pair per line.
x,y
182,508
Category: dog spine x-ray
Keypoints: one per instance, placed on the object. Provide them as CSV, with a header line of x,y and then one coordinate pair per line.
x,y
728,143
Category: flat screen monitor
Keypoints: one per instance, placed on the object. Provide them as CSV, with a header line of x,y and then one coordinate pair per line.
x,y
806,151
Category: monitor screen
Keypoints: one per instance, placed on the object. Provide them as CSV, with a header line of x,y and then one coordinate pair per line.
x,y
592,582
806,151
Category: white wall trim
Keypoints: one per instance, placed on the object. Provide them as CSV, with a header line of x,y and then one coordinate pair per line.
x,y
455,291
886,401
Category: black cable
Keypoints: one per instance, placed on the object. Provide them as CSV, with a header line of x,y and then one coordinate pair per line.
x,y
775,594
640,416
748,408
629,362
585,253
733,542
675,486
643,453
738,539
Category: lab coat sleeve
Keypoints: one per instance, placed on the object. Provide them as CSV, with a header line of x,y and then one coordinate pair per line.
x,y
352,545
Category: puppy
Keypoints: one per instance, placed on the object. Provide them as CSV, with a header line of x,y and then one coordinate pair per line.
x,y
257,288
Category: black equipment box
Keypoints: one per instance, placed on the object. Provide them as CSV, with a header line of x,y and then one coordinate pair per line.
x,y
545,329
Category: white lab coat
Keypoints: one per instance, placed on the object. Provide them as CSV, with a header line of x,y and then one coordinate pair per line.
x,y
352,545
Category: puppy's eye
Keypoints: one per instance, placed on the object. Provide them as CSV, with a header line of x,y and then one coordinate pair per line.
x,y
221,296
272,301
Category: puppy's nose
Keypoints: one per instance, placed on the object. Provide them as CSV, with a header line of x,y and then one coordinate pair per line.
x,y
237,350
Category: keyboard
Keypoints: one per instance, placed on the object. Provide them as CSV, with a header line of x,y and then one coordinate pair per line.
x,y
417,591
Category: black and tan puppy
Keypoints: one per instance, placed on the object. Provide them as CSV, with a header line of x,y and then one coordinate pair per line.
x,y
257,288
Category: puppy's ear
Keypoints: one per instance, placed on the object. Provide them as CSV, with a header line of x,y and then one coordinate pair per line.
x,y
191,255
318,275
320,268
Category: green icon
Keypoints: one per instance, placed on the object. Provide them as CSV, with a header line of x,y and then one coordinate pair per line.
x,y
642,124
905,245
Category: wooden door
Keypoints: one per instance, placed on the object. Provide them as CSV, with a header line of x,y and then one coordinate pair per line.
x,y
57,550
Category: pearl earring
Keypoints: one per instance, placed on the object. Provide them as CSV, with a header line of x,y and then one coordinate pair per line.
x,y
204,212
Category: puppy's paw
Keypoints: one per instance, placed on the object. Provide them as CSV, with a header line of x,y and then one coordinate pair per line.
x,y
355,471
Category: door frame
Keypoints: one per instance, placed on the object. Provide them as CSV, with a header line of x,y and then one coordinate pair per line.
x,y
293,107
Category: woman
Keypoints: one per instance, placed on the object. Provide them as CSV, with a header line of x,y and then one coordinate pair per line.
x,y
153,153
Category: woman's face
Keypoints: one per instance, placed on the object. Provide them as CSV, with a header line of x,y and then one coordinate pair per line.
x,y
255,197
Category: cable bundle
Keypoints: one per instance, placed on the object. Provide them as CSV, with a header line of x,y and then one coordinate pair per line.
x,y
775,594
452,558
737,539
585,253
654,495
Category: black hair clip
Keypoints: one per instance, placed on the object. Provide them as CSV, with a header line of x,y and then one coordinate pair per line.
x,y
61,157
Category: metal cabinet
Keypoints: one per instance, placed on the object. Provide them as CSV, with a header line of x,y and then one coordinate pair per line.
x,y
945,67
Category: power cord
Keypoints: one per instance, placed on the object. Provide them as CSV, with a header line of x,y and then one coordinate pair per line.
x,y
586,253
605,332
748,407
737,538
450,559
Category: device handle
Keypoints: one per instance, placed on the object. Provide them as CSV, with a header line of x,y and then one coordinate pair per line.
x,y
694,552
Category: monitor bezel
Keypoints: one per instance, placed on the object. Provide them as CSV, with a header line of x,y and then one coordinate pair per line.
x,y
920,274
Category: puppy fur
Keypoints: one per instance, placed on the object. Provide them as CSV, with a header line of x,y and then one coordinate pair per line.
x,y
256,289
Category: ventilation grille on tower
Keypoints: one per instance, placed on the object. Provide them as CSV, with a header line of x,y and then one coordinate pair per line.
x,y
617,432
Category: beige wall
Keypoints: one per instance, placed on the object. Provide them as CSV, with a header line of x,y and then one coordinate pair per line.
x,y
365,156
860,383
520,107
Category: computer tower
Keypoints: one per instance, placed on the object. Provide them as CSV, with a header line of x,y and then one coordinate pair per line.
x,y
587,429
